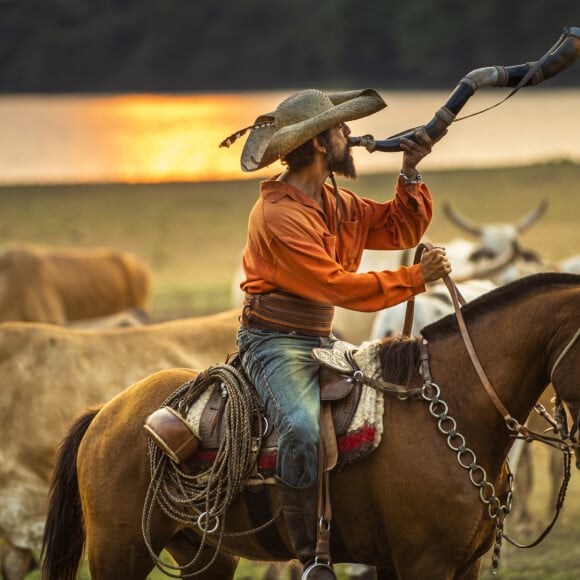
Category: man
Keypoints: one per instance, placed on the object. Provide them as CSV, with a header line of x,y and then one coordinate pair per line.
x,y
305,242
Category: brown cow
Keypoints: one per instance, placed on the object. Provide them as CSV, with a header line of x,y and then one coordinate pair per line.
x,y
50,373
58,285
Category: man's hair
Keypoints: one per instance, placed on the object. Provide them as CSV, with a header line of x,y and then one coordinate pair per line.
x,y
303,156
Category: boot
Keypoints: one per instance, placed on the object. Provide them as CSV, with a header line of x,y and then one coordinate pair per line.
x,y
300,507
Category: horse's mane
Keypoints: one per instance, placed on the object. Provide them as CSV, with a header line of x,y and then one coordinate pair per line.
x,y
499,298
399,359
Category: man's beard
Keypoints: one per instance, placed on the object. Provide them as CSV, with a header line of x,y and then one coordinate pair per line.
x,y
343,165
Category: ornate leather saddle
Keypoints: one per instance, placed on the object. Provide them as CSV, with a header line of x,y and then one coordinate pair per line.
x,y
192,432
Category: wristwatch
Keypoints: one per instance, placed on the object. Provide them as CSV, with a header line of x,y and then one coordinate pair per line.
x,y
412,179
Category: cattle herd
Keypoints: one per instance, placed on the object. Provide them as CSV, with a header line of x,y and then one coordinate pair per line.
x,y
76,329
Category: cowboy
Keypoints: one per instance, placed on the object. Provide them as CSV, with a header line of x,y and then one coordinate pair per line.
x,y
305,241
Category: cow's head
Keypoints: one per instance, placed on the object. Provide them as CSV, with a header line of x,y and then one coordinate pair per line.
x,y
495,239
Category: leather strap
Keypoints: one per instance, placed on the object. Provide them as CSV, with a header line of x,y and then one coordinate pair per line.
x,y
408,324
459,301
327,458
475,360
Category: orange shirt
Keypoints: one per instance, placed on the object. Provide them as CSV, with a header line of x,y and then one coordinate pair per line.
x,y
295,246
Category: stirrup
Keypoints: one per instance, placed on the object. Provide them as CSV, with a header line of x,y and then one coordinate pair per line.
x,y
315,565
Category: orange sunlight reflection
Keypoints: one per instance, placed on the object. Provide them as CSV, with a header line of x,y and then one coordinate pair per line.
x,y
176,138
160,138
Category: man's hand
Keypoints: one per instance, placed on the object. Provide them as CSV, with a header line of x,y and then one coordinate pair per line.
x,y
413,151
435,264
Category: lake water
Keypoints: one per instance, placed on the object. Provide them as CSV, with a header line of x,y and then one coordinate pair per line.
x,y
157,138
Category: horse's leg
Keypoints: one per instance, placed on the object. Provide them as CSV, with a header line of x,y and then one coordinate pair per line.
x,y
16,562
431,565
113,505
273,572
183,547
276,571
116,547
470,573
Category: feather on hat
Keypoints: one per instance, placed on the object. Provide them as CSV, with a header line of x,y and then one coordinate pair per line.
x,y
298,119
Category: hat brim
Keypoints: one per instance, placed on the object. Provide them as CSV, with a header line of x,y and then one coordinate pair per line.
x,y
265,145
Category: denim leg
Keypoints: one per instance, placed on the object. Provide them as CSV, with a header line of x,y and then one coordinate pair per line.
x,y
286,378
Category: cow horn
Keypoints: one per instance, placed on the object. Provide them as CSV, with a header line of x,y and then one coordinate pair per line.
x,y
532,217
492,267
462,221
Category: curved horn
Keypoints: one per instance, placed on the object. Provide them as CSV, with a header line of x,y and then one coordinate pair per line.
x,y
532,216
461,221
493,266
559,57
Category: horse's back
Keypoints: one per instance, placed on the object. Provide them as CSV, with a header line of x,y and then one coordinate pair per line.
x,y
120,421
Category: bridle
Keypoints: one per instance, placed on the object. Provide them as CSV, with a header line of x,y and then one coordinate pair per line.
x,y
447,426
457,299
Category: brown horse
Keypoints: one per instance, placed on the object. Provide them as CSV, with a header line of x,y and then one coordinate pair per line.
x,y
412,508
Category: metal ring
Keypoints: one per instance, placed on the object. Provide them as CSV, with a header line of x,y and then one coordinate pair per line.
x,y
358,376
266,425
431,387
433,408
200,524
491,490
494,507
483,479
449,432
466,465
450,439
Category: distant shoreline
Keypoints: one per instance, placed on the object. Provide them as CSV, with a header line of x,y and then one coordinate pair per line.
x,y
256,178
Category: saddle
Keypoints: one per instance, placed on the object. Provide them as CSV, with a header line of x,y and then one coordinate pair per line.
x,y
192,438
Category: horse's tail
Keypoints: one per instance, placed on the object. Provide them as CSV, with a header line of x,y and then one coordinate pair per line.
x,y
64,533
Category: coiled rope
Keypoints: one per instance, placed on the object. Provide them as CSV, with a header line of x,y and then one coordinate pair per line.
x,y
202,500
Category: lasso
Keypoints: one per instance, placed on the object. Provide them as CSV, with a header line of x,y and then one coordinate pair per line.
x,y
559,57
202,500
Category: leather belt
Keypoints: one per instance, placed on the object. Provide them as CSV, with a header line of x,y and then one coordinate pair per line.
x,y
287,313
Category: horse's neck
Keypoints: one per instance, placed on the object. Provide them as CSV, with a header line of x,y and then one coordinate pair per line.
x,y
517,346
515,372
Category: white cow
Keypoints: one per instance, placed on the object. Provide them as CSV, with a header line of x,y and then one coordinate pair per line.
x,y
430,306
493,239
49,374
571,264
354,326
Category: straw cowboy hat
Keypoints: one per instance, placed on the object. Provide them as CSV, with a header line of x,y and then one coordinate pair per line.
x,y
298,119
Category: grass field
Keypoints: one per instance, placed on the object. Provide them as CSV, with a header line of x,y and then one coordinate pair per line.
x,y
192,236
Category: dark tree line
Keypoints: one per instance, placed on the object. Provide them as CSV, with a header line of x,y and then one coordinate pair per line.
x,y
203,45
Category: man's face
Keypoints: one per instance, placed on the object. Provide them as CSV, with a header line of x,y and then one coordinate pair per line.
x,y
338,156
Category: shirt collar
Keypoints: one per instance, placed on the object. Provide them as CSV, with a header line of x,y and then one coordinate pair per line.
x,y
275,190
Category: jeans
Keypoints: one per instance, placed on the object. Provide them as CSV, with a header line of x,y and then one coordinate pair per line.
x,y
286,377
